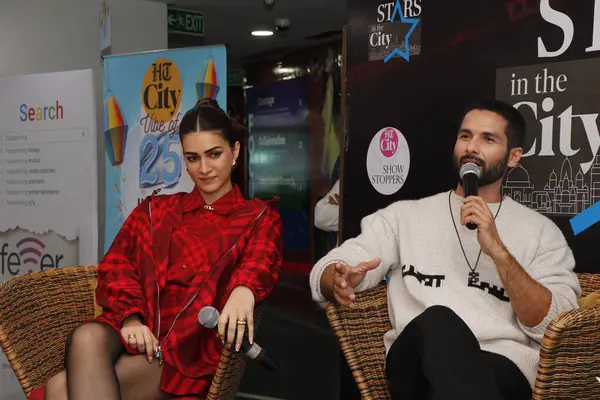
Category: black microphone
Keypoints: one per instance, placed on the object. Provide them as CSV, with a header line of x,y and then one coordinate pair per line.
x,y
209,318
469,174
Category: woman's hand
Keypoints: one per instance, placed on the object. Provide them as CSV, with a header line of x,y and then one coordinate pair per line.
x,y
139,337
237,313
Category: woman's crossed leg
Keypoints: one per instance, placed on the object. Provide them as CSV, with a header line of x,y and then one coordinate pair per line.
x,y
98,367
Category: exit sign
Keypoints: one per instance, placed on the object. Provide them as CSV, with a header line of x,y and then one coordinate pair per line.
x,y
185,22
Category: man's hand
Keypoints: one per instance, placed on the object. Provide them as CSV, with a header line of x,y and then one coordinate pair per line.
x,y
530,299
475,210
346,279
335,199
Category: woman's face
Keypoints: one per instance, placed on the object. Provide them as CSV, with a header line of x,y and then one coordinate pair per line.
x,y
209,160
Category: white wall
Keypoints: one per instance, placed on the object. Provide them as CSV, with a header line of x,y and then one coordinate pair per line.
x,y
38,36
44,36
138,25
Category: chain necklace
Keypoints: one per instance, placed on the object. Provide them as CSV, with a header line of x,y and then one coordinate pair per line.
x,y
473,275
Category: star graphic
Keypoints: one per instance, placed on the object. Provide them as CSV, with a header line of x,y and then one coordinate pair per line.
x,y
413,22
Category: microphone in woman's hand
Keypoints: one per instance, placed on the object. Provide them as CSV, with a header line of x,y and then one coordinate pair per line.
x,y
209,318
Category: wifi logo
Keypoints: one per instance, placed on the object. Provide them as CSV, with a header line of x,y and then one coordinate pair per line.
x,y
30,250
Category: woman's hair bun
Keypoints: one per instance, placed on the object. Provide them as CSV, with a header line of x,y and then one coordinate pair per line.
x,y
209,101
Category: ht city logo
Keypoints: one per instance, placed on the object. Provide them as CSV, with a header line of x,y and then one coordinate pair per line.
x,y
29,254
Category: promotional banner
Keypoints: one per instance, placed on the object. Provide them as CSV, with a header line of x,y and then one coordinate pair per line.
x,y
278,147
145,97
559,173
406,107
48,179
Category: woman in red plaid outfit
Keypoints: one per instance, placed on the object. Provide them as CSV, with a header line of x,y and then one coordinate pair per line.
x,y
174,255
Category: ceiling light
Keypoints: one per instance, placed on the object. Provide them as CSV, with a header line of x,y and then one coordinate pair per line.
x,y
284,70
262,33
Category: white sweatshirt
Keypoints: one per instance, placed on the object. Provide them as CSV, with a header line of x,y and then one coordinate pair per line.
x,y
327,215
421,255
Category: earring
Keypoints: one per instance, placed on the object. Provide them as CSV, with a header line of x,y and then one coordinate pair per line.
x,y
234,162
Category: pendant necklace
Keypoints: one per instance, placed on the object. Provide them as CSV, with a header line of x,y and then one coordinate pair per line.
x,y
473,275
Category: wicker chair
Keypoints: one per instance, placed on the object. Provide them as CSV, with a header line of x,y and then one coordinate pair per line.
x,y
38,310
569,355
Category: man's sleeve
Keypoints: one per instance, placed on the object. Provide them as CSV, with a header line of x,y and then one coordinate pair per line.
x,y
553,267
327,215
378,239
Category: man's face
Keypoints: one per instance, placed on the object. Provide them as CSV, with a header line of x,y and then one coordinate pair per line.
x,y
482,140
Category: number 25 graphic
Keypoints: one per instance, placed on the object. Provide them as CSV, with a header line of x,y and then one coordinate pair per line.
x,y
150,152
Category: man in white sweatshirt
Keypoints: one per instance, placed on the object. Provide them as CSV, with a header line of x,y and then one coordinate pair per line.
x,y
327,210
468,308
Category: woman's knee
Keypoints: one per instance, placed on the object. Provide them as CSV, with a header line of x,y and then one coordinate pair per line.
x,y
56,388
92,337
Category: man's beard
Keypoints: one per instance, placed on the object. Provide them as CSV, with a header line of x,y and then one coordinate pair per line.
x,y
489,173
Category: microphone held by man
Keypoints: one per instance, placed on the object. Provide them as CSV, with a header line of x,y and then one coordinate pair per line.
x,y
470,174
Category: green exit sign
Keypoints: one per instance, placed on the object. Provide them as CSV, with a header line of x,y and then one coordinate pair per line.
x,y
185,22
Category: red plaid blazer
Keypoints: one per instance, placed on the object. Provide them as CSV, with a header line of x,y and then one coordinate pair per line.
x,y
243,248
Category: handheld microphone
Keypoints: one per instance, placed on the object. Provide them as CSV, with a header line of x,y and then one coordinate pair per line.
x,y
209,318
469,174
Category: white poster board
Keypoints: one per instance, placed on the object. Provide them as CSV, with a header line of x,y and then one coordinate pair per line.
x,y
48,179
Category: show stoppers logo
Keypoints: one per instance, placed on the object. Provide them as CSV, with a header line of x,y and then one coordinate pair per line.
x,y
388,161
28,255
397,32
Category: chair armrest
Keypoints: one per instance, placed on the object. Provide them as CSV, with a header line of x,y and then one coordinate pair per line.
x,y
360,333
232,365
570,356
589,283
37,312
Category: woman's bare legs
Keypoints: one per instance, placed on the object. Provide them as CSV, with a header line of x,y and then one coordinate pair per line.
x,y
92,351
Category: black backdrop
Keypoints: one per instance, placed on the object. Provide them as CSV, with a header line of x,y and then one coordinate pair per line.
x,y
463,43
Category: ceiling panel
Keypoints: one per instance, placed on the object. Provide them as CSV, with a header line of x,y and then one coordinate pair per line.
x,y
231,21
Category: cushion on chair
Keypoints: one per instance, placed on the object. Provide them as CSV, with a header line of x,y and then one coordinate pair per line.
x,y
97,308
37,394
590,300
